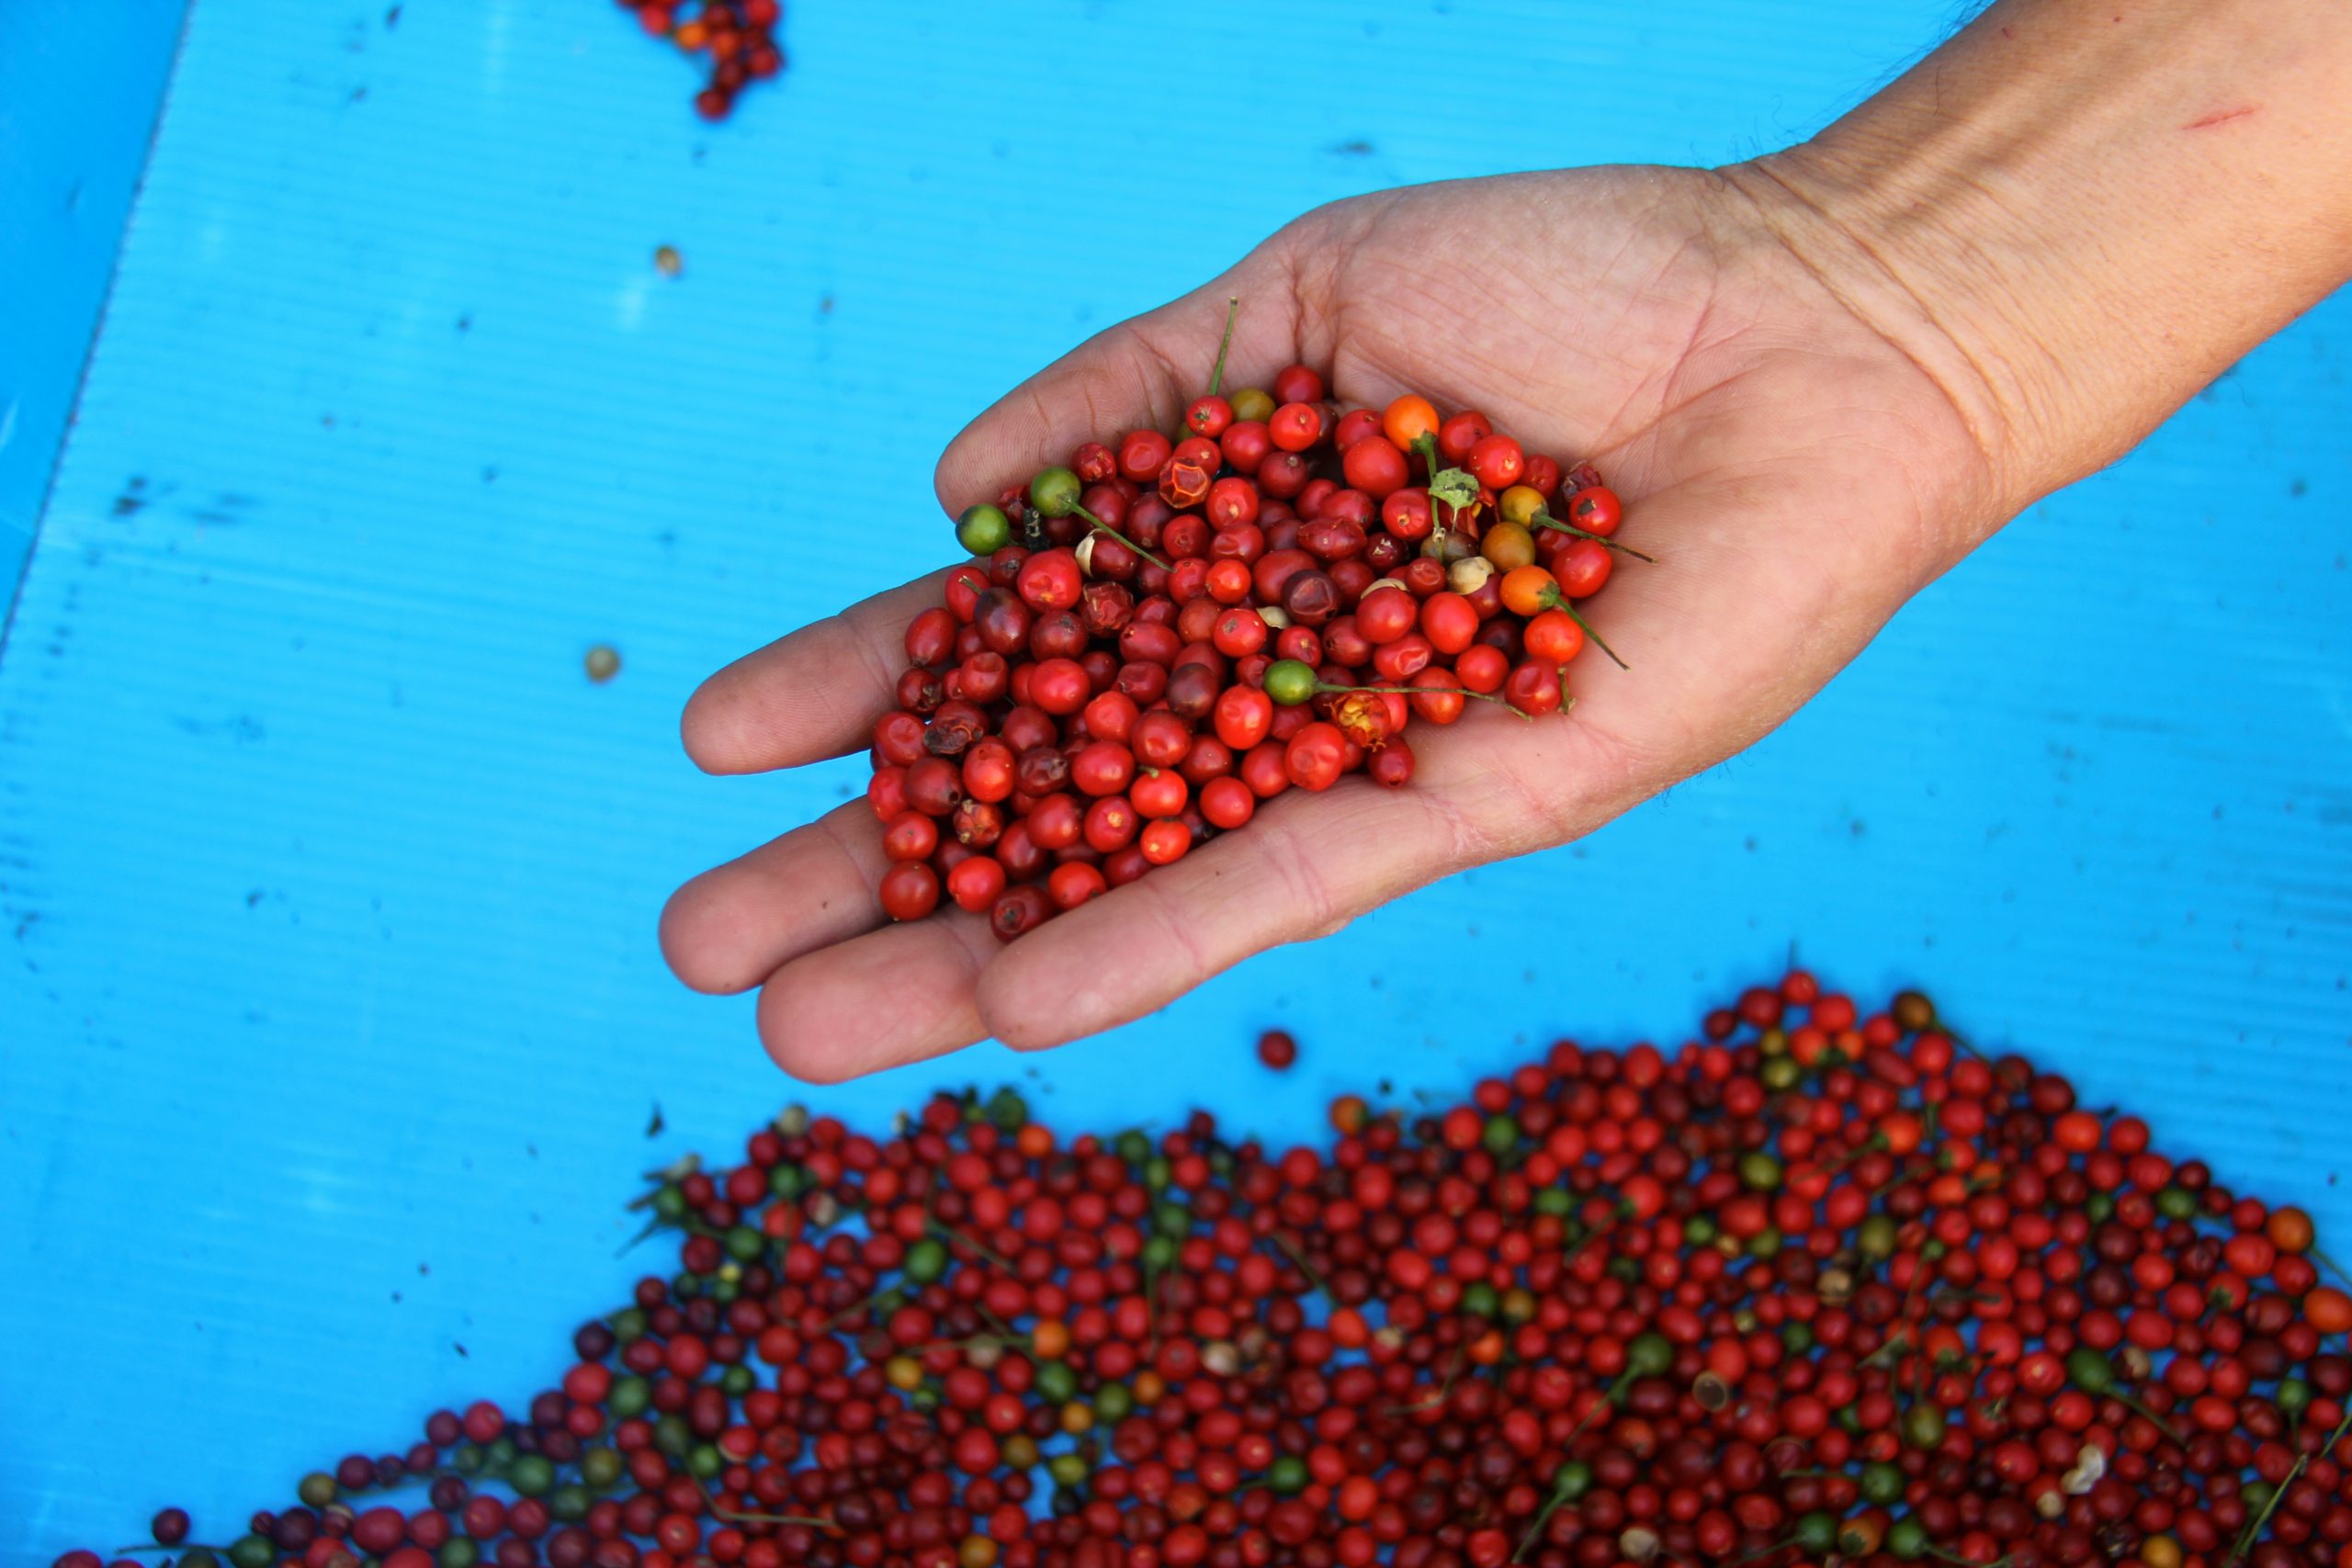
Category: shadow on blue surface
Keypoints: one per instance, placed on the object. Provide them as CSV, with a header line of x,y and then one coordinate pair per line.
x,y
331,1014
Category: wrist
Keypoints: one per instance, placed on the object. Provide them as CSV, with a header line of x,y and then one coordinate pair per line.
x,y
1890,263
2074,215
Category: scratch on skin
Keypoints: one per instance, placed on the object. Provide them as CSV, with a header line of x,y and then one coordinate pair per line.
x,y
2219,117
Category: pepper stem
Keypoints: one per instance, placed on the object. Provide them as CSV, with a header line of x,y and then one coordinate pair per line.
x,y
1102,527
1546,520
737,1517
2330,1264
1543,1518
1556,600
2254,1525
2155,1420
1216,378
633,1243
1452,1370
1329,688
1607,1400
1870,1146
1313,1278
962,1238
1425,446
851,1311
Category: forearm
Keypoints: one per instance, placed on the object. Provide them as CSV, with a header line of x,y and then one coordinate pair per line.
x,y
2079,212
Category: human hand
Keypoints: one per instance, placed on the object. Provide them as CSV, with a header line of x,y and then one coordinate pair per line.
x,y
1796,470
1818,379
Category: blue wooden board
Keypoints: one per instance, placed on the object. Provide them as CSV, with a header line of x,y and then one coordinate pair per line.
x,y
330,1021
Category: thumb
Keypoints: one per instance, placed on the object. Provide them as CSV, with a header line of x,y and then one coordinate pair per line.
x,y
1142,373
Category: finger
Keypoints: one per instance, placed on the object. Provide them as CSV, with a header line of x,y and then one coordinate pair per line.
x,y
1303,867
734,925
810,694
1142,373
898,995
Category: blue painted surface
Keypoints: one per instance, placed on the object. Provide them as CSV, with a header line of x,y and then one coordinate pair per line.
x,y
79,89
330,1017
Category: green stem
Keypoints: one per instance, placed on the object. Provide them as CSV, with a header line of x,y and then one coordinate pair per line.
x,y
1327,688
1452,1370
1607,1400
1292,1252
972,1243
677,1170
640,1239
1546,520
1543,1518
2254,1525
1964,1045
1623,1211
1426,446
1216,379
2160,1423
851,1311
1102,527
2330,1264
1869,1146
1558,601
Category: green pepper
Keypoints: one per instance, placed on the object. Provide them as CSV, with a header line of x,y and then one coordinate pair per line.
x,y
1817,1533
983,530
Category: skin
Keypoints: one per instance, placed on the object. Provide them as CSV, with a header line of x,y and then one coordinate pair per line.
x,y
1819,379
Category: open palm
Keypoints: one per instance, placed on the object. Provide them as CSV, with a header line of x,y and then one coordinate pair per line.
x,y
1797,476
